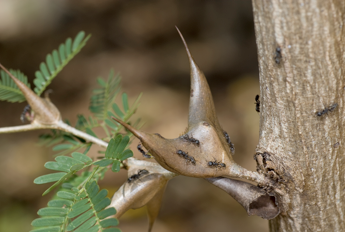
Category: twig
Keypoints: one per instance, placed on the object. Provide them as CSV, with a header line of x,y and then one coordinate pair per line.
x,y
28,127
63,126
60,125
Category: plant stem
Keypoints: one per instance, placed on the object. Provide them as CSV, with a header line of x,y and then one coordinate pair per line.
x,y
63,126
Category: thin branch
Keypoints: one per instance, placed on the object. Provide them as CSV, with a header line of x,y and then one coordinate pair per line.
x,y
63,126
29,127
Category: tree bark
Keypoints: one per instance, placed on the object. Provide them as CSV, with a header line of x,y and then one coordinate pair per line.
x,y
301,146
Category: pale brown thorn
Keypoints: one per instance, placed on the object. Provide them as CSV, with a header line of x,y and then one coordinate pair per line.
x,y
185,44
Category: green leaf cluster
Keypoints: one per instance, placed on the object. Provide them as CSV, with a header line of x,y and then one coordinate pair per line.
x,y
76,210
78,205
9,91
57,60
67,166
116,153
65,143
103,97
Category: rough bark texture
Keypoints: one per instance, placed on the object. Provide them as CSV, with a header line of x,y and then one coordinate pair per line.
x,y
301,151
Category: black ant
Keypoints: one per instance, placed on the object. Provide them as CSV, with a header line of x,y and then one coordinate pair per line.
x,y
137,176
134,177
26,111
192,160
216,164
332,107
325,111
190,139
257,102
278,55
182,153
231,145
143,152
186,156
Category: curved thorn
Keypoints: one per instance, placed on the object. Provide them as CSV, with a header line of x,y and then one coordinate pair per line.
x,y
135,132
185,44
201,106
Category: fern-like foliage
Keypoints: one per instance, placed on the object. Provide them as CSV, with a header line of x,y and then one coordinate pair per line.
x,y
125,115
116,153
105,95
78,210
66,142
103,107
79,205
8,89
67,166
87,124
57,60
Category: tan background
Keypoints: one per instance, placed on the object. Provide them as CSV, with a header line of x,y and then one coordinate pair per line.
x,y
137,39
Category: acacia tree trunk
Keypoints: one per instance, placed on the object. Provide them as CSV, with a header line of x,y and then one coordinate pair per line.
x,y
301,151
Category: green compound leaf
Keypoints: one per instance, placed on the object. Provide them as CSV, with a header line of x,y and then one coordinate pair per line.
x,y
68,167
57,60
9,91
69,142
115,153
103,97
77,211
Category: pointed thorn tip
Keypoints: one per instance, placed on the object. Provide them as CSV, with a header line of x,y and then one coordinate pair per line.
x,y
130,128
185,44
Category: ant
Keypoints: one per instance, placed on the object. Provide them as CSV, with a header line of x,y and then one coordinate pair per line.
x,y
182,153
26,111
257,102
186,156
137,176
134,177
143,152
325,111
216,164
231,145
192,160
332,107
278,55
190,139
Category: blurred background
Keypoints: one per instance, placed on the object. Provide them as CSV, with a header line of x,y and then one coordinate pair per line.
x,y
138,39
